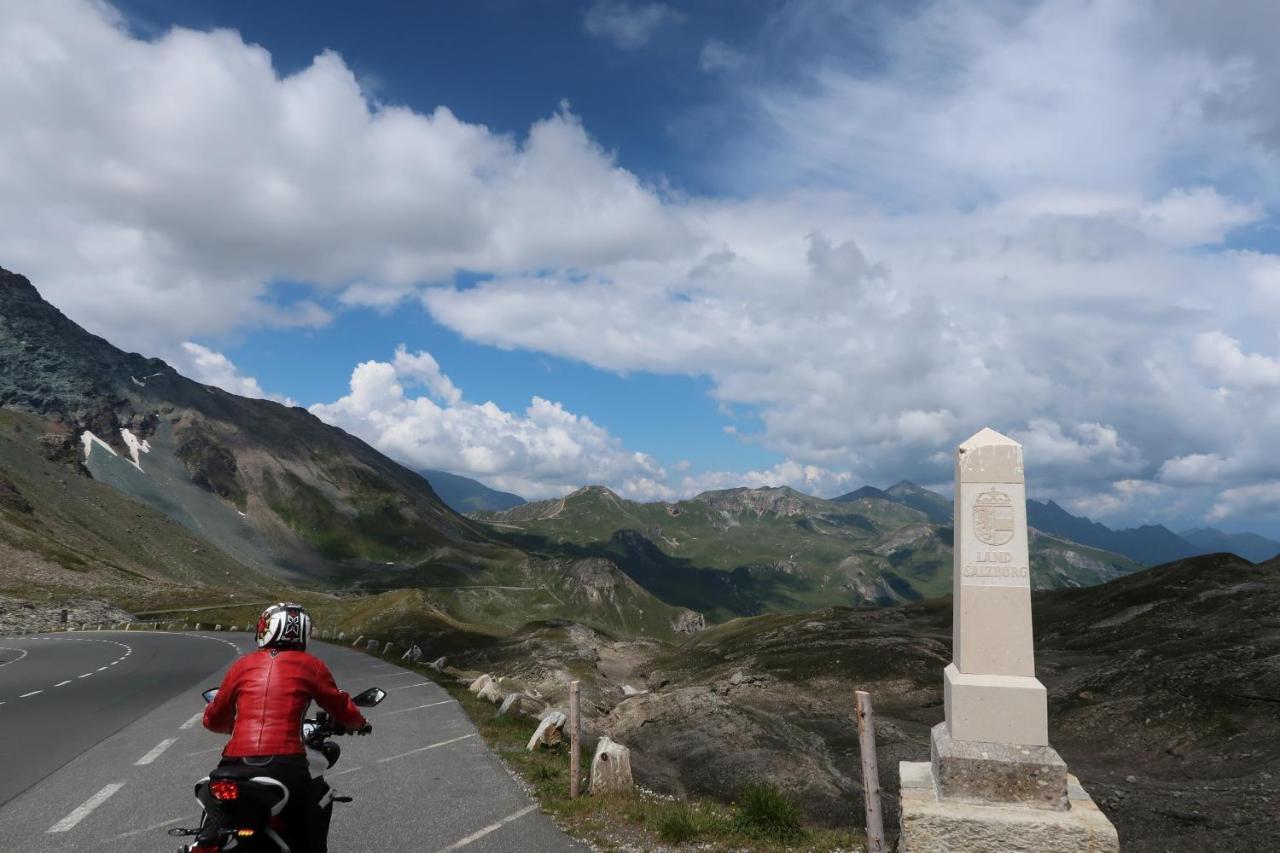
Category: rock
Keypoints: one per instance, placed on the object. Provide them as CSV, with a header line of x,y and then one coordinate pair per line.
x,y
508,703
628,690
688,622
480,683
438,664
490,693
549,730
611,767
738,678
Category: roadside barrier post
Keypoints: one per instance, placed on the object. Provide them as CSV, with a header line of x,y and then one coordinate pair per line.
x,y
575,738
870,771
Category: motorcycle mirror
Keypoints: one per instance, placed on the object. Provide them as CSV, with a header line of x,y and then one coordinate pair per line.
x,y
209,694
370,697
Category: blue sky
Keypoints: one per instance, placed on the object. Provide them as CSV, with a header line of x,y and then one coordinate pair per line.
x,y
673,247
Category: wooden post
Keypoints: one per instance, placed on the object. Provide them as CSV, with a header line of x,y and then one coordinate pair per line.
x,y
575,745
870,771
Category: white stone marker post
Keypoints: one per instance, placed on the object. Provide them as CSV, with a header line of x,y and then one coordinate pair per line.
x,y
993,781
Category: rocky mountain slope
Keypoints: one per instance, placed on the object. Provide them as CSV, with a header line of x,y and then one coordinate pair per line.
x,y
1150,544
119,468
748,551
1163,688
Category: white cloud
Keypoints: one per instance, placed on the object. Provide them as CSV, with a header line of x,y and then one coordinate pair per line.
x,y
154,188
1222,356
628,25
718,56
213,368
980,228
1255,499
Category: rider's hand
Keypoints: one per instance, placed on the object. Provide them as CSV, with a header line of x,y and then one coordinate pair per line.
x,y
366,729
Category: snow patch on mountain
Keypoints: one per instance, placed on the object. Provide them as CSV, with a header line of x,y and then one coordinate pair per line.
x,y
136,446
88,439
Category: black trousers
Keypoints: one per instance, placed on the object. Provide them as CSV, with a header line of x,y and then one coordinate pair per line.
x,y
306,823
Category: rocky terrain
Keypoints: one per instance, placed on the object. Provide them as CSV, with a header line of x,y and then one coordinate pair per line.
x,y
1164,687
740,552
28,617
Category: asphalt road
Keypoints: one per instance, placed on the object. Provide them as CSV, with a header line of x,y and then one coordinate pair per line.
x,y
101,744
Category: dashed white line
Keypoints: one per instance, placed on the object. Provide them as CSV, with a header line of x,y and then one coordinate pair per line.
x,y
195,718
204,751
82,811
401,674
86,675
155,751
340,772
476,836
407,686
417,708
32,693
61,683
101,668
425,748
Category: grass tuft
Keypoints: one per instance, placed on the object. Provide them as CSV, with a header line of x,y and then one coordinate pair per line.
x,y
686,823
767,813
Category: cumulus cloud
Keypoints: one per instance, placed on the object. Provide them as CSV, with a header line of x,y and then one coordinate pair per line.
x,y
211,367
1254,499
981,228
155,188
628,25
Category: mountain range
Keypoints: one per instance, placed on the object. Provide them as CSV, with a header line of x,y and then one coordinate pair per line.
x,y
122,478
746,551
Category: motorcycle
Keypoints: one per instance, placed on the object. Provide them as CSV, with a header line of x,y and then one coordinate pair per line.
x,y
242,811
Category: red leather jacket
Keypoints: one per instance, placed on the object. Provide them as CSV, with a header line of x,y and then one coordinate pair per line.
x,y
264,697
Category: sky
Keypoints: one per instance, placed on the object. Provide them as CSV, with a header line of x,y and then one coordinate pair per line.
x,y
670,247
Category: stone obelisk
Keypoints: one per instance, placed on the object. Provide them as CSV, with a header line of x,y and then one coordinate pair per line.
x,y
993,779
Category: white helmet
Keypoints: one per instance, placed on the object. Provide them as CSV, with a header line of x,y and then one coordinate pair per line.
x,y
284,626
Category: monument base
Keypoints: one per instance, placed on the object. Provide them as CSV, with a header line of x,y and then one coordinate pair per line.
x,y
996,708
994,773
932,825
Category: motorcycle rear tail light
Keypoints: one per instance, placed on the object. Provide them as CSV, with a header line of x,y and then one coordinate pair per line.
x,y
225,789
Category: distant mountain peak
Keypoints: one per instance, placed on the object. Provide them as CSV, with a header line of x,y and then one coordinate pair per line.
x,y
863,492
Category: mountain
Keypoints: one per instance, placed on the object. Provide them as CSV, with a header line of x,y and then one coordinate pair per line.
x,y
122,477
747,551
934,506
463,495
1251,546
1151,544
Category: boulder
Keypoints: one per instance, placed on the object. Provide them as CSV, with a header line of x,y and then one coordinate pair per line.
x,y
480,683
490,693
549,730
438,664
610,767
629,691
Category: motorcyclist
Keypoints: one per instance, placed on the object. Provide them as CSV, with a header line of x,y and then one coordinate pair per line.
x,y
261,703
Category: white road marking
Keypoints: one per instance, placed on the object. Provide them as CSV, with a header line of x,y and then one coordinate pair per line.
x,y
15,660
425,748
340,772
195,718
417,708
101,668
407,686
32,693
60,683
82,811
155,751
113,663
476,836
86,675
204,752
401,674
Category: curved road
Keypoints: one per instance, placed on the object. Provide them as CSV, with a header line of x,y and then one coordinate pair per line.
x,y
101,743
